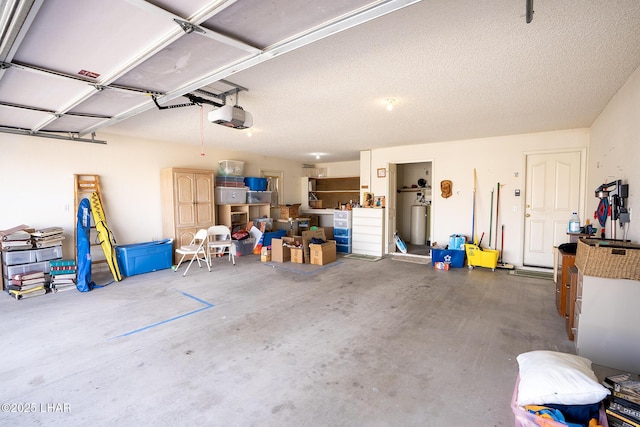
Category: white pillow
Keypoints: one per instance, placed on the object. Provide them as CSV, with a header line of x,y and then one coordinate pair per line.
x,y
553,377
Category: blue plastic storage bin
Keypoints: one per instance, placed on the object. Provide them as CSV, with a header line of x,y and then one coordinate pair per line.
x,y
342,232
343,249
455,257
266,241
256,184
140,258
340,240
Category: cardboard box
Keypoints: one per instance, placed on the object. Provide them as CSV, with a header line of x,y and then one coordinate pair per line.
x,y
297,255
314,220
287,212
323,253
265,254
279,251
306,240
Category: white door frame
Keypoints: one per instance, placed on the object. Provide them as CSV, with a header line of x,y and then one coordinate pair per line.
x,y
581,196
392,188
392,209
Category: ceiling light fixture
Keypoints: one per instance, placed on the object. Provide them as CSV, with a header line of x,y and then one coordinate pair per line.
x,y
390,102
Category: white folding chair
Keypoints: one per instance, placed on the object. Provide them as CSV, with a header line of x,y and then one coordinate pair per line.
x,y
220,242
196,248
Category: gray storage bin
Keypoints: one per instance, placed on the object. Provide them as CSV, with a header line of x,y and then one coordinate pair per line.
x,y
231,196
10,270
46,254
18,257
258,196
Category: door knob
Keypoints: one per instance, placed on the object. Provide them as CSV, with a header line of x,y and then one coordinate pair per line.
x,y
528,215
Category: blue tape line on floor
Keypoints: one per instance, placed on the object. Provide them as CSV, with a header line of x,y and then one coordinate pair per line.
x,y
207,305
280,266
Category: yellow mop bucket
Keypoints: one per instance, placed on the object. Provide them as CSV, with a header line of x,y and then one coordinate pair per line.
x,y
477,257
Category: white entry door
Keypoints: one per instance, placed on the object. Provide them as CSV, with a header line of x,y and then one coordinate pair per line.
x,y
552,193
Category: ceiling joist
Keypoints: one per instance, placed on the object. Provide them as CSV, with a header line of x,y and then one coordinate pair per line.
x,y
19,17
317,33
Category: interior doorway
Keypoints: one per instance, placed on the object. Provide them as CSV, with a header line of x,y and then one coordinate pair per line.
x,y
413,209
553,191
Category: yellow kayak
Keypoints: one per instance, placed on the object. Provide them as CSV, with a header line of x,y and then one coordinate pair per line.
x,y
104,235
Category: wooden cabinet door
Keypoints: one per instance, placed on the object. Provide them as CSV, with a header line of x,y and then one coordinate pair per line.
x,y
203,199
567,261
185,199
184,236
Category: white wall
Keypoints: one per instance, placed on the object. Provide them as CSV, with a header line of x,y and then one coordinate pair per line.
x,y
341,169
496,159
614,151
37,186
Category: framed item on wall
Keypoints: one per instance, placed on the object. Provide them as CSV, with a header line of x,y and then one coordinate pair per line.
x,y
382,172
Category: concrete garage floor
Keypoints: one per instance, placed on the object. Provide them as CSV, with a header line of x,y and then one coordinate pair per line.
x,y
352,343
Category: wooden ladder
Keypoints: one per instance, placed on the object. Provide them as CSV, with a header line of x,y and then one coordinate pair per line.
x,y
84,185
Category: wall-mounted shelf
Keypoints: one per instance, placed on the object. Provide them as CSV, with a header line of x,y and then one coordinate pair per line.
x,y
330,191
411,190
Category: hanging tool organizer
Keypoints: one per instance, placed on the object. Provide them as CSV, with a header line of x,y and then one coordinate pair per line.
x,y
613,197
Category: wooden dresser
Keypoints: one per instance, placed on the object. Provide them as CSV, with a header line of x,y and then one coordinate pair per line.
x,y
571,294
187,203
565,262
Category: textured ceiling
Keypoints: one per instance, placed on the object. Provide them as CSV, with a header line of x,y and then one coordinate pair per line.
x,y
457,70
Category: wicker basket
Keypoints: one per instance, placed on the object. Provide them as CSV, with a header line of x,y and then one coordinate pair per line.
x,y
608,258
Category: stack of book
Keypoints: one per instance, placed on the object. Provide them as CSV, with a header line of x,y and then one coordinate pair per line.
x,y
16,238
623,405
63,274
48,237
27,285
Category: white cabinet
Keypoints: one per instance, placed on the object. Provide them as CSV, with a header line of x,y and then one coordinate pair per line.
x,y
368,231
606,322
